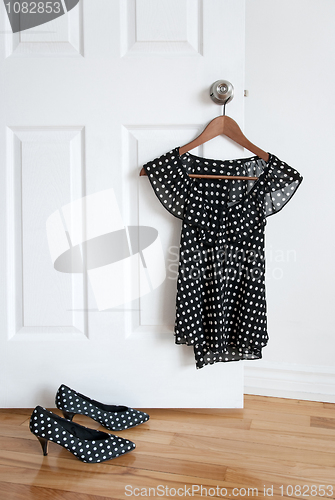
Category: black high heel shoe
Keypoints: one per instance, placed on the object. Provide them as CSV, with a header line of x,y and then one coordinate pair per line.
x,y
112,417
86,444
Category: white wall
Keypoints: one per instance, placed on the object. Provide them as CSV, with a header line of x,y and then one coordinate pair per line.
x,y
290,111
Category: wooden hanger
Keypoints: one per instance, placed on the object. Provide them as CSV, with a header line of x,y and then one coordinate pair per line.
x,y
228,127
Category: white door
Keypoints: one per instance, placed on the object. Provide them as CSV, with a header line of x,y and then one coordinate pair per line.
x,y
87,99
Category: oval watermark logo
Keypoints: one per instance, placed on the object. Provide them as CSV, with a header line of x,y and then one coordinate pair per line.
x,y
122,262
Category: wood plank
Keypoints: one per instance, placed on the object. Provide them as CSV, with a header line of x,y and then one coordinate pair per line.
x,y
269,413
12,418
190,417
222,412
19,431
19,411
253,449
307,441
274,416
23,492
283,402
324,422
294,430
329,406
296,408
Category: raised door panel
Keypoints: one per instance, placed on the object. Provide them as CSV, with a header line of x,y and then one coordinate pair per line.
x,y
170,26
44,169
61,37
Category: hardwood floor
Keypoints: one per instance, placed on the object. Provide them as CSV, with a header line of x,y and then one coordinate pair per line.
x,y
277,443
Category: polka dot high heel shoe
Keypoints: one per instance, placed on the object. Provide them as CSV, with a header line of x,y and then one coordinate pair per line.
x,y
86,444
112,417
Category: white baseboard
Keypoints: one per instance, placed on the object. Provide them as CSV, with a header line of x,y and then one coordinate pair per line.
x,y
293,381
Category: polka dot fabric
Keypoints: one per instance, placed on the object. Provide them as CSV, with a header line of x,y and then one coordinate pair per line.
x,y
112,417
88,445
220,302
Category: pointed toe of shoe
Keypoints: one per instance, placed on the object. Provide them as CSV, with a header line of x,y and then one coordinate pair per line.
x,y
142,417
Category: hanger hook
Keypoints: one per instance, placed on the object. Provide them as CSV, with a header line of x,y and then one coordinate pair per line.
x,y
224,105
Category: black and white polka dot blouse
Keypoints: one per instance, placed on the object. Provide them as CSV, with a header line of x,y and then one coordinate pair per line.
x,y
220,302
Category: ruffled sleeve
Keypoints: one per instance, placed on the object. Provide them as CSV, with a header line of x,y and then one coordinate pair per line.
x,y
279,184
170,181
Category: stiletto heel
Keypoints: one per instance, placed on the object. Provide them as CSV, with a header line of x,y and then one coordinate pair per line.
x,y
44,444
112,417
89,445
68,415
